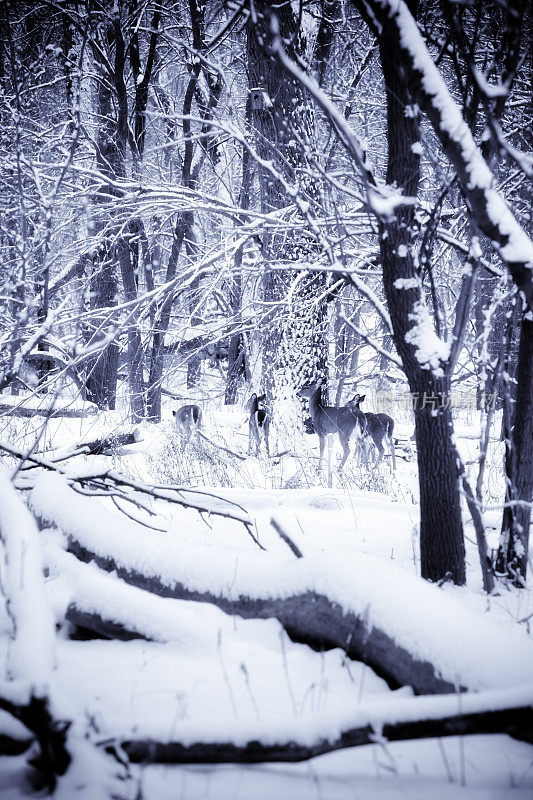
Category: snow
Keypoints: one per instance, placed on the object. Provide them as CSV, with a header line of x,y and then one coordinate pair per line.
x,y
46,404
461,644
31,648
519,247
406,770
386,204
209,676
407,283
430,351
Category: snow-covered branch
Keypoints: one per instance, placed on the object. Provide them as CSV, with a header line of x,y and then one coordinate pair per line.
x,y
397,28
367,607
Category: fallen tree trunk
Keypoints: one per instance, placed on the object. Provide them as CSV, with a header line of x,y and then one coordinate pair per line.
x,y
309,618
50,734
96,447
30,660
108,443
517,722
14,408
113,606
115,610
369,608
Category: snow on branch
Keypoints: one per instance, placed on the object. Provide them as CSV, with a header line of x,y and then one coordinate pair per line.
x,y
430,351
90,598
31,650
369,608
504,710
397,28
112,483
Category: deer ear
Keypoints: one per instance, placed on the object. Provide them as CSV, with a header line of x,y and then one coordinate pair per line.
x,y
261,398
361,397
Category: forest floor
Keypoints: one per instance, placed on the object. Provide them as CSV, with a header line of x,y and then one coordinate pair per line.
x,y
251,676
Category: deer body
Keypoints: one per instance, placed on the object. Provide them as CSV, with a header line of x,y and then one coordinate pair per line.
x,y
188,419
343,421
379,428
258,425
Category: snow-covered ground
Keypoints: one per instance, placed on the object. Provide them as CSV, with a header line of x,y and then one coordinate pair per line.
x,y
210,676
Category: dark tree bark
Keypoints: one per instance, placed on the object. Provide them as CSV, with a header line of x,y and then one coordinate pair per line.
x,y
53,758
441,532
102,371
514,721
294,342
513,551
162,321
114,139
308,617
183,231
237,361
390,21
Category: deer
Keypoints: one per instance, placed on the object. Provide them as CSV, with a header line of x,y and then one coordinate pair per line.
x,y
188,419
258,425
379,427
326,420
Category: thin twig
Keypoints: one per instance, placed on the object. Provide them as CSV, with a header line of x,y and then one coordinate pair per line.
x,y
286,538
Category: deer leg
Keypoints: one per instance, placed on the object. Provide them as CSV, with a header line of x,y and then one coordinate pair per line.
x,y
250,437
393,453
322,440
363,451
345,442
330,445
266,431
363,448
381,450
253,440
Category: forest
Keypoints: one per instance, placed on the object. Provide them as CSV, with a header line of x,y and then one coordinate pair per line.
x,y
266,399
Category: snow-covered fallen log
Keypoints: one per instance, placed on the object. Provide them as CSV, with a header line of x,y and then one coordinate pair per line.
x,y
31,710
505,710
95,447
15,738
120,486
34,713
90,598
44,405
31,649
408,631
30,657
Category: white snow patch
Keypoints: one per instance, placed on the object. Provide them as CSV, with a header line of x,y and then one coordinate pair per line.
x,y
519,247
430,351
465,647
31,651
407,283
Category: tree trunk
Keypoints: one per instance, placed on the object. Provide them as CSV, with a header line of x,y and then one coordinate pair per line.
x,y
441,530
102,372
162,321
295,339
514,720
442,554
125,251
514,541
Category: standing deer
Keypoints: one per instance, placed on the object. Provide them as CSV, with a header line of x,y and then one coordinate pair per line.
x,y
328,419
188,419
379,427
258,425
